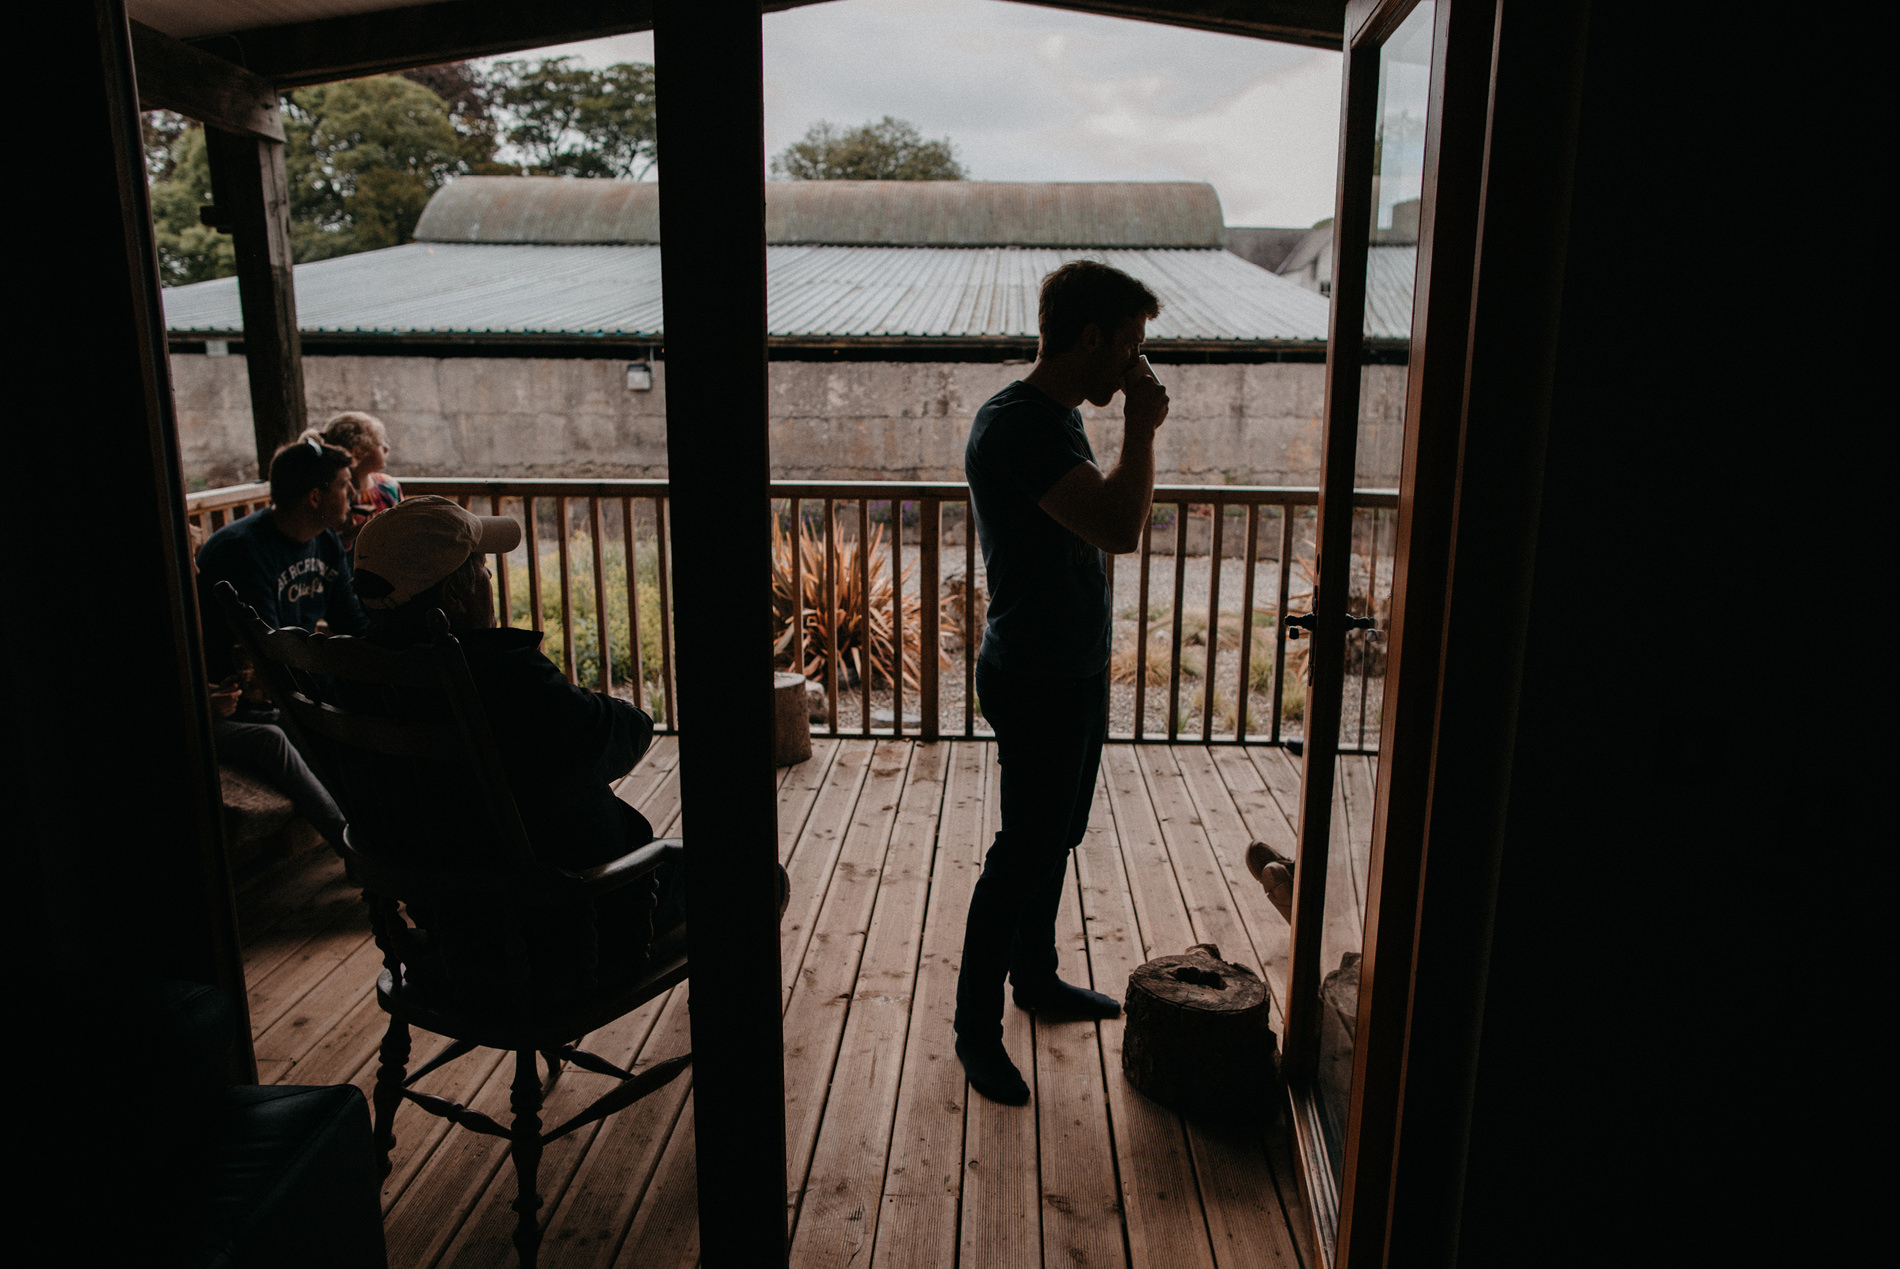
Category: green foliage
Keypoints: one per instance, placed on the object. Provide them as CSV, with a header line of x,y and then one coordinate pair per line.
x,y
187,250
569,120
586,640
362,158
890,150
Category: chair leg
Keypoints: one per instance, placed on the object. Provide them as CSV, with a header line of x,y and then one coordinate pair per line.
x,y
389,1078
526,1149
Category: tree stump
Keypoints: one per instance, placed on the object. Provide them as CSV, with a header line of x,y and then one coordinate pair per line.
x,y
791,742
1198,1038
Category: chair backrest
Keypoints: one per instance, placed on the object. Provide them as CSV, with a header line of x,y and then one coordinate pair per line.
x,y
402,741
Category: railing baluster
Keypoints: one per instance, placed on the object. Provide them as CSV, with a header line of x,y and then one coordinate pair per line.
x,y
969,617
603,640
213,508
897,616
567,597
831,612
1213,625
501,569
636,669
1246,624
929,613
1141,629
864,598
1279,617
662,557
1174,653
798,586
534,561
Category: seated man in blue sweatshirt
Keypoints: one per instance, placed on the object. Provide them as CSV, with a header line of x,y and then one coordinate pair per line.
x,y
285,561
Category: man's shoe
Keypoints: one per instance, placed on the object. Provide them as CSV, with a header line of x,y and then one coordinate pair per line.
x,y
1067,1000
991,1073
1274,872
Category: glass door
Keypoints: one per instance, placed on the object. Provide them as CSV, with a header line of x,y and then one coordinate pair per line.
x,y
1387,96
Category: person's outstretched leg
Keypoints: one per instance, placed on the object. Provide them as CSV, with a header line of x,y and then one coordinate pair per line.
x,y
266,752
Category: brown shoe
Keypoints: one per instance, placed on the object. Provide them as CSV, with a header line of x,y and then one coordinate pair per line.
x,y
1274,872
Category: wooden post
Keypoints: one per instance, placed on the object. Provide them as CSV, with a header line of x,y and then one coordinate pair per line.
x,y
709,65
253,201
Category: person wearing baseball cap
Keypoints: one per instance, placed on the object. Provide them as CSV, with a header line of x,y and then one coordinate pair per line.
x,y
561,745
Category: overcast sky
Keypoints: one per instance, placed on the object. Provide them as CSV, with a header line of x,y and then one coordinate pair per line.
x,y
1034,94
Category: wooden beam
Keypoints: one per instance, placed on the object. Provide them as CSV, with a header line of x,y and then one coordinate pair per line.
x,y
710,65
120,827
391,40
173,75
1314,23
426,34
252,191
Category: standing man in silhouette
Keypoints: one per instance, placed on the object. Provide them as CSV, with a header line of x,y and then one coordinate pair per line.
x,y
1045,514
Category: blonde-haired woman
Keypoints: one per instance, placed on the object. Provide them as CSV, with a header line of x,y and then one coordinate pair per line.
x,y
364,438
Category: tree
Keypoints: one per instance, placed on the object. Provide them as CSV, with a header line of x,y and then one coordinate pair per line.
x,y
363,158
568,120
890,150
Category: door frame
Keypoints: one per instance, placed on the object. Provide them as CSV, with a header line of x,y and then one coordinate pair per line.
x,y
1349,1218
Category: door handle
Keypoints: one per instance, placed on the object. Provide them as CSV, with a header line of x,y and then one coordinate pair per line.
x,y
1297,622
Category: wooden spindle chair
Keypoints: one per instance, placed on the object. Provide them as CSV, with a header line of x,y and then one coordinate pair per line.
x,y
484,941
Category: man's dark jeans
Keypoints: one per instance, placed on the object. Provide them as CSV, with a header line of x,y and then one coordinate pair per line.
x,y
1049,734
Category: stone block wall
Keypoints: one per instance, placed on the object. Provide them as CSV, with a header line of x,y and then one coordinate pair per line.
x,y
1249,424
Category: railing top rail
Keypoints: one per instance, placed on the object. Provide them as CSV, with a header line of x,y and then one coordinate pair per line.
x,y
541,486
228,496
648,487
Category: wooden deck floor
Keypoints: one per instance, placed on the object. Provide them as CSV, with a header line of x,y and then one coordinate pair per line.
x,y
890,1160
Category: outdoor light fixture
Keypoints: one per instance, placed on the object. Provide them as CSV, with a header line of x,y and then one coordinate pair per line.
x,y
639,376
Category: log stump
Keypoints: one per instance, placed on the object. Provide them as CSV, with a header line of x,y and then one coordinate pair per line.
x,y
1198,1038
791,742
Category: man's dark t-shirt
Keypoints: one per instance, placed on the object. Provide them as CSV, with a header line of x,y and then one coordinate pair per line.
x,y
289,583
1048,588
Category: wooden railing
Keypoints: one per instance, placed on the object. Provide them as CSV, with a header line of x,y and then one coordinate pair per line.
x,y
608,621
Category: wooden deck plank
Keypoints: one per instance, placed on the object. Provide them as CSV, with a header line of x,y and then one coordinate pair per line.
x,y
299,1024
1224,823
1245,1220
484,1239
1355,782
814,855
1093,1173
448,1184
923,1180
1081,1200
1197,870
593,1216
665,1229
1231,1171
288,904
821,999
1160,1205
1000,1223
1160,915
836,1221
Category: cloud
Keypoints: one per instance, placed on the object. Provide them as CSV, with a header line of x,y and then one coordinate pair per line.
x,y
1030,93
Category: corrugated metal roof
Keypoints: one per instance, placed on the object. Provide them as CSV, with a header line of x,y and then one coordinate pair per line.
x,y
552,209
813,292
1389,275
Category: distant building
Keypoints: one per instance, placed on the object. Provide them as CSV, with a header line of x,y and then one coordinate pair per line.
x,y
522,333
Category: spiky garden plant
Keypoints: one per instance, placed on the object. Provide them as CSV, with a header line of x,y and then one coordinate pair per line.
x,y
865,631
